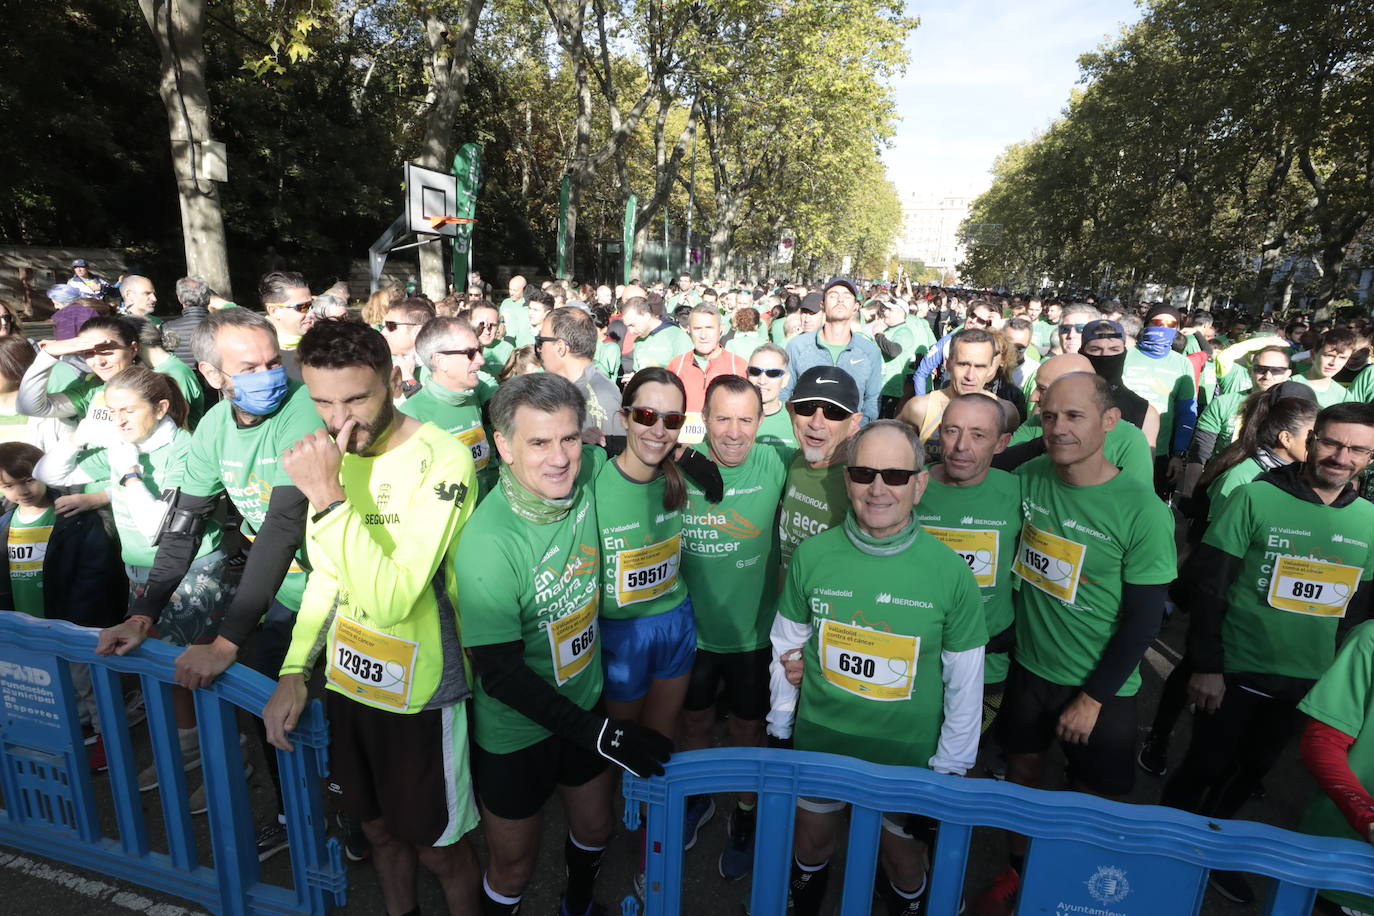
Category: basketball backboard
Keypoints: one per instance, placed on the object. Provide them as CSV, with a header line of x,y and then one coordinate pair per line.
x,y
430,197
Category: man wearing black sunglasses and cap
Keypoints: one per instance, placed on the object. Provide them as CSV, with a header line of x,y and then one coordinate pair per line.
x,y
825,414
889,624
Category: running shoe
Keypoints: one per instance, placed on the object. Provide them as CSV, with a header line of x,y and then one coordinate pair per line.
x,y
1000,898
1233,886
271,840
356,845
196,802
737,859
134,710
1153,757
95,755
593,909
700,809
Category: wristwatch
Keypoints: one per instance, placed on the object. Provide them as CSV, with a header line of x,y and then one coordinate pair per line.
x,y
132,475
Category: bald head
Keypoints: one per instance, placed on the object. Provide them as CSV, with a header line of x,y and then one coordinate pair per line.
x,y
1054,367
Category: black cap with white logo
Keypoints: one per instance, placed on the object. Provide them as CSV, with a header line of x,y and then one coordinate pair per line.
x,y
829,384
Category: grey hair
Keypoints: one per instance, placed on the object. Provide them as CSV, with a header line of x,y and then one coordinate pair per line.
x,y
1131,325
541,391
898,426
770,348
1079,308
438,334
705,308
193,292
204,341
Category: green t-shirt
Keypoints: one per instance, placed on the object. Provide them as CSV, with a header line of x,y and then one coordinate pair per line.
x,y
1221,416
730,553
163,469
516,314
245,463
188,383
1125,447
813,500
896,369
1301,563
1362,386
744,343
1042,334
775,431
873,686
1078,547
1232,479
28,548
494,357
1163,382
981,524
608,359
540,584
661,347
1344,699
1333,393
641,546
458,413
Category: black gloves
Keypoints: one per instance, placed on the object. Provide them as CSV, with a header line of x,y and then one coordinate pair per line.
x,y
704,474
775,741
642,751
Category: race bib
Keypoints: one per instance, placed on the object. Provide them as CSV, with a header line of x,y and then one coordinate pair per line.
x,y
693,429
644,573
28,548
868,663
1306,586
1049,562
977,547
476,440
571,641
370,666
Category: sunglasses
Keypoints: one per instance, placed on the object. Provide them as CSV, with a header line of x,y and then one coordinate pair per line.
x,y
301,307
393,325
833,412
540,340
482,327
1163,321
1076,328
470,352
1270,370
756,371
647,416
893,477
981,322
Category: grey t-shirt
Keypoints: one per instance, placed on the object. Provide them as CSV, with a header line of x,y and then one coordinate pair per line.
x,y
603,401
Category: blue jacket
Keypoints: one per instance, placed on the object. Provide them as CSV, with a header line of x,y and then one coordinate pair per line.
x,y
861,359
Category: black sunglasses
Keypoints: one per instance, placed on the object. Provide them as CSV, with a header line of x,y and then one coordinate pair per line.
x,y
540,340
1270,370
893,477
756,371
301,307
469,352
833,412
393,325
647,416
1076,328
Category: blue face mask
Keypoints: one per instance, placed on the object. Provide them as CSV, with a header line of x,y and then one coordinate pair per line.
x,y
259,393
1156,342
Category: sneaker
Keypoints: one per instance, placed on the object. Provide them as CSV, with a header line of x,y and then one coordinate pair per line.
x,y
1000,897
700,809
593,909
1153,757
197,800
134,710
271,840
95,755
356,845
1233,886
737,859
640,883
997,768
89,735
148,778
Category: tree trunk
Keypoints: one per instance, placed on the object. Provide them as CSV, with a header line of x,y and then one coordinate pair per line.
x,y
450,52
179,30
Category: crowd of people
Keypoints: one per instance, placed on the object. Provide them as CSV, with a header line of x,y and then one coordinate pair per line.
x,y
530,545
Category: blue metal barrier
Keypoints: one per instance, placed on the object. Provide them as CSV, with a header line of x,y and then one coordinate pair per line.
x,y
1087,855
50,804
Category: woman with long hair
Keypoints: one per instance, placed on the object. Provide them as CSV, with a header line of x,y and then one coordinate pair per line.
x,y
1273,432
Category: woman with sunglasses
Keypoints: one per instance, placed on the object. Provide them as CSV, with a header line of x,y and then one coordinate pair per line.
x,y
768,373
647,627
1221,418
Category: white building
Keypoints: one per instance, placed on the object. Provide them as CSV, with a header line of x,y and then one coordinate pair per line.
x,y
930,230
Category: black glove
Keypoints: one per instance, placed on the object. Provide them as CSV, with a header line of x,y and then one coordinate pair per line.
x,y
704,474
775,741
642,751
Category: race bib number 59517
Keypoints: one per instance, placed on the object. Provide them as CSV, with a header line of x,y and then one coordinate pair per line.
x,y
644,573
1049,562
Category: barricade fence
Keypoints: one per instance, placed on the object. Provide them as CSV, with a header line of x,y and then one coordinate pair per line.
x,y
51,807
1087,857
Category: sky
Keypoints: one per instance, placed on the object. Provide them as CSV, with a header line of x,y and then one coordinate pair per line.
x,y
984,74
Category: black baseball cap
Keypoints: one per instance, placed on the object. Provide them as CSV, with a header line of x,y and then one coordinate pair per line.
x,y
811,302
828,384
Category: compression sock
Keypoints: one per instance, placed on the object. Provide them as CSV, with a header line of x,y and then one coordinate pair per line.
x,y
584,864
904,903
494,904
807,887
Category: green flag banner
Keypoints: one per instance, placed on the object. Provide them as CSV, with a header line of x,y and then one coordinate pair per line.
x,y
564,242
467,167
628,240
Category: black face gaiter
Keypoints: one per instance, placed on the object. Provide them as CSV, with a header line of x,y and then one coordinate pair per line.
x,y
1109,367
